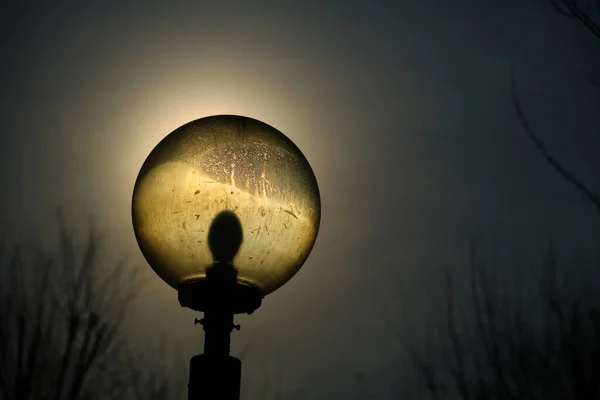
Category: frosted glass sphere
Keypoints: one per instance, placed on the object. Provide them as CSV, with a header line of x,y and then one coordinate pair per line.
x,y
232,164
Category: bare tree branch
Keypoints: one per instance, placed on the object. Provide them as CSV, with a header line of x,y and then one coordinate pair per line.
x,y
61,316
541,146
574,9
554,357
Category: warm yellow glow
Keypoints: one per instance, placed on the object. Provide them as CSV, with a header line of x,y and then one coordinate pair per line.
x,y
226,163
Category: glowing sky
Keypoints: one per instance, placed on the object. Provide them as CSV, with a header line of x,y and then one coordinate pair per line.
x,y
401,107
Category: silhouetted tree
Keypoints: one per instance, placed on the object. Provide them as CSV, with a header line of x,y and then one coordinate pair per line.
x,y
587,14
513,336
61,332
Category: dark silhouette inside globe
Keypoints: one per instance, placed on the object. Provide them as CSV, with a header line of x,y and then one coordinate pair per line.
x,y
225,236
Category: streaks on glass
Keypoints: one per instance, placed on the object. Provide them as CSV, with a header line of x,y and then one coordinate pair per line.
x,y
290,212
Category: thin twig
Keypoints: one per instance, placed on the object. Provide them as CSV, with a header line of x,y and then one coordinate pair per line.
x,y
541,146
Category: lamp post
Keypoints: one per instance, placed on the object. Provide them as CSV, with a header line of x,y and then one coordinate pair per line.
x,y
225,209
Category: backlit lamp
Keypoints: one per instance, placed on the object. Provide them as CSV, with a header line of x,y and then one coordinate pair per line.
x,y
225,209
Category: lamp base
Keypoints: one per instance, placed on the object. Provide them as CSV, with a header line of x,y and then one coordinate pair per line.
x,y
215,375
214,378
199,296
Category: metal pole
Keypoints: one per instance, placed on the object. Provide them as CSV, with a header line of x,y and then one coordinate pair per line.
x,y
215,375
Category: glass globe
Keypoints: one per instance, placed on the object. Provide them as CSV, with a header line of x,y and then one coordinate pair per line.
x,y
236,165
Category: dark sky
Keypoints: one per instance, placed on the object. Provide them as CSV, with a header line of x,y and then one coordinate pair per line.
x,y
402,108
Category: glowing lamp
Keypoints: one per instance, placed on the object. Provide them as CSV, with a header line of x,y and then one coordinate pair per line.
x,y
225,209
226,163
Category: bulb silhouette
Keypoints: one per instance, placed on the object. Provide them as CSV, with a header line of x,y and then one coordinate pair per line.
x,y
225,236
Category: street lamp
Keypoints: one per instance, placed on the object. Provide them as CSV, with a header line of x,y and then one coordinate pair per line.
x,y
225,209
